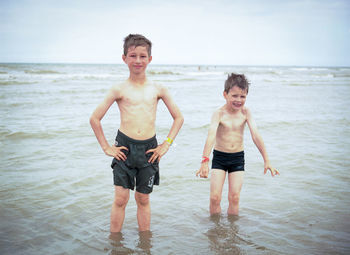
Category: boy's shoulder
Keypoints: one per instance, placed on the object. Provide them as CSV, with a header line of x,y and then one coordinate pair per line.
x,y
219,112
120,85
245,111
157,85
160,89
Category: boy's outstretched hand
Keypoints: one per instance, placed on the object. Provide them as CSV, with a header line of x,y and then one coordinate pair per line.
x,y
273,171
203,171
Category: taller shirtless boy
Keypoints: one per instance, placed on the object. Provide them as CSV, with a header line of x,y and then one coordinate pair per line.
x,y
136,153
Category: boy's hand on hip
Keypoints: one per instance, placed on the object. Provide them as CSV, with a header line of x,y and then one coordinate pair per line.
x,y
158,152
116,152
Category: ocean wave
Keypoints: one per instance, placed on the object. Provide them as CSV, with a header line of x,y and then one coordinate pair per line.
x,y
86,77
6,83
201,127
293,124
174,80
1,72
299,84
42,72
92,77
151,72
342,75
39,134
25,135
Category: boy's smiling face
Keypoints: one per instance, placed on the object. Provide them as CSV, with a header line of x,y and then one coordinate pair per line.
x,y
137,59
235,98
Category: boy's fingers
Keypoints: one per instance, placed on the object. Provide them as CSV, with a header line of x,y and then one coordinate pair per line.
x,y
120,156
274,171
150,150
154,157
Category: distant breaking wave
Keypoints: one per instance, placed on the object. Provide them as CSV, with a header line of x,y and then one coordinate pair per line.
x,y
4,83
162,73
42,72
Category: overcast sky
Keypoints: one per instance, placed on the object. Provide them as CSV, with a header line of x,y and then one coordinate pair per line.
x,y
220,32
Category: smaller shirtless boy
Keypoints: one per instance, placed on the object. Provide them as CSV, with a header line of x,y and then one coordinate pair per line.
x,y
226,132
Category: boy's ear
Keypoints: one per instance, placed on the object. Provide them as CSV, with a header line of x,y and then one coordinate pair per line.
x,y
224,94
150,59
123,57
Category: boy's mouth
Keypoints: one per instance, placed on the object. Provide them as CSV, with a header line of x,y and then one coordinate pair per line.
x,y
237,104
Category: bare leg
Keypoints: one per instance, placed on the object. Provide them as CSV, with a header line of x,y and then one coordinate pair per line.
x,y
143,211
121,198
235,181
217,180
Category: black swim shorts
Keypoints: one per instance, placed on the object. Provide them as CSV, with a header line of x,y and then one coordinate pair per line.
x,y
136,166
230,162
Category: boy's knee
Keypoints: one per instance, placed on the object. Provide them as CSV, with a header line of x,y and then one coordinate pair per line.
x,y
234,198
121,201
142,199
215,198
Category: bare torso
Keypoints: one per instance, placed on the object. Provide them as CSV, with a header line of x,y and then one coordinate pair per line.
x,y
230,132
138,106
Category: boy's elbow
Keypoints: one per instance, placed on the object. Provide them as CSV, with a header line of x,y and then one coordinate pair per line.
x,y
93,120
181,119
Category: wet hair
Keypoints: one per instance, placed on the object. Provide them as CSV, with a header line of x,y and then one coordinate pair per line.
x,y
238,80
137,40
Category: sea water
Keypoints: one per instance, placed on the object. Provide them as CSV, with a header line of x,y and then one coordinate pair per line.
x,y
57,187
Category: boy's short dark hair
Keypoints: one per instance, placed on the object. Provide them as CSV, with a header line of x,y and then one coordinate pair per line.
x,y
137,40
238,80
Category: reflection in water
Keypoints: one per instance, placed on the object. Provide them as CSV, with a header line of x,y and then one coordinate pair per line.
x,y
225,237
116,240
145,238
144,244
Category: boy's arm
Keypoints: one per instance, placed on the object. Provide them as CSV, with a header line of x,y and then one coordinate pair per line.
x,y
95,122
257,139
209,143
175,128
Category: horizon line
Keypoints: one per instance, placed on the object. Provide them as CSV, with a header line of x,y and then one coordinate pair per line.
x,y
162,64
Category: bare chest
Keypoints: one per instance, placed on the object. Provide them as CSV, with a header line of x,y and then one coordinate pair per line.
x,y
233,122
139,98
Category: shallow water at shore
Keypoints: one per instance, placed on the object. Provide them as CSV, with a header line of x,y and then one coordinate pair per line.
x,y
57,190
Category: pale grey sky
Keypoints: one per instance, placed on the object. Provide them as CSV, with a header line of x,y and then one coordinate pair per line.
x,y
221,32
